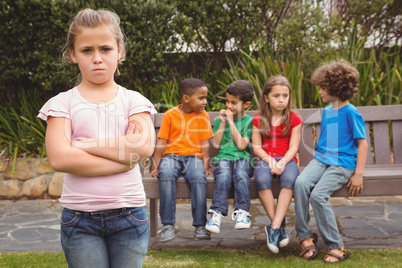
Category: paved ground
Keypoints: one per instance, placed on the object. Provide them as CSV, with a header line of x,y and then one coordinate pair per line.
x,y
364,223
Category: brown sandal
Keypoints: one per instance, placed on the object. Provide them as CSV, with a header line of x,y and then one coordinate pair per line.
x,y
312,246
341,254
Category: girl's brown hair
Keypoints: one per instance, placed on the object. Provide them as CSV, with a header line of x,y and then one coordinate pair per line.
x,y
265,108
89,18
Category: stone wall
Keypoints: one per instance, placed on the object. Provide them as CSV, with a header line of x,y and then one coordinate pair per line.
x,y
32,179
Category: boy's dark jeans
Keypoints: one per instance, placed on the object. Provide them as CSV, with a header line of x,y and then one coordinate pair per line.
x,y
192,168
225,172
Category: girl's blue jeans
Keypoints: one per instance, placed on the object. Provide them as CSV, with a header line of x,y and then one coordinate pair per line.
x,y
316,184
108,238
225,172
263,176
192,168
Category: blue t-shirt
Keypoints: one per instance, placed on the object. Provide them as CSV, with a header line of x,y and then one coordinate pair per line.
x,y
340,128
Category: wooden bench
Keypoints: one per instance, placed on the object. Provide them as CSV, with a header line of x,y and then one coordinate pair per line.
x,y
382,174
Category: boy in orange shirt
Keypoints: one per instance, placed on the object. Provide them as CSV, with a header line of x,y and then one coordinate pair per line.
x,y
183,145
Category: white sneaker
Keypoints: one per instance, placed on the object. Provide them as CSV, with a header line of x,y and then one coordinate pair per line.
x,y
242,219
214,223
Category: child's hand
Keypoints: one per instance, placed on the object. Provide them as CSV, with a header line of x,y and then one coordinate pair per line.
x,y
131,129
229,115
272,164
222,116
207,172
355,185
274,168
153,173
280,166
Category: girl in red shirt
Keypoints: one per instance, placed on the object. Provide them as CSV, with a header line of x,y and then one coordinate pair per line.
x,y
276,138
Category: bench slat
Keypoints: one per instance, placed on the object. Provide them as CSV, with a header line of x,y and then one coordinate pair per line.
x,y
371,175
311,116
306,147
153,217
397,141
317,131
369,154
212,153
382,151
381,113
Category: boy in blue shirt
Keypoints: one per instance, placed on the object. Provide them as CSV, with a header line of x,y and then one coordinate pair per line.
x,y
233,131
339,159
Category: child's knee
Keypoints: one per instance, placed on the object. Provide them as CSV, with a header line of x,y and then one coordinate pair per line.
x,y
197,176
166,177
288,182
300,185
317,199
167,174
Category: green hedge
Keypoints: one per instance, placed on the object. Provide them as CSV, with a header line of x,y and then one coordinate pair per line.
x,y
33,32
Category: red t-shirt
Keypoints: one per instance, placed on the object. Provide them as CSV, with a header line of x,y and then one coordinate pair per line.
x,y
277,145
184,132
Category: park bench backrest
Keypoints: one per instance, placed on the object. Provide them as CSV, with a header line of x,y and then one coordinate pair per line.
x,y
383,129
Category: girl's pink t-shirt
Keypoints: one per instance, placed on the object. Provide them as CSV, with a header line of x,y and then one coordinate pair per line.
x,y
103,120
277,145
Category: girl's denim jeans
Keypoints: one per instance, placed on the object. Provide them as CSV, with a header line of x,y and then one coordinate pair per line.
x,y
108,238
263,176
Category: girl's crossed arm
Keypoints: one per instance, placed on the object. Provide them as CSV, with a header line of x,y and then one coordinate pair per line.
x,y
64,157
128,149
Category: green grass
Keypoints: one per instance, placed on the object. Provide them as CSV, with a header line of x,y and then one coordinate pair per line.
x,y
259,257
31,259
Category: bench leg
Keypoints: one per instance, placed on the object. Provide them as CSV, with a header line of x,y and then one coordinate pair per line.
x,y
153,217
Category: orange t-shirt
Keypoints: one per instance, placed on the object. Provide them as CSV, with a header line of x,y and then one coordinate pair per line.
x,y
184,132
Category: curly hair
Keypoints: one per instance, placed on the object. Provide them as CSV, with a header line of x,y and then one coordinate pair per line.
x,y
339,78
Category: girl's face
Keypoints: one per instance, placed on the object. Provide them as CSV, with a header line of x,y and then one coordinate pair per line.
x,y
97,53
278,98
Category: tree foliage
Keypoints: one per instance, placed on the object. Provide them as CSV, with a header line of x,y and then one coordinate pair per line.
x,y
165,34
381,20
